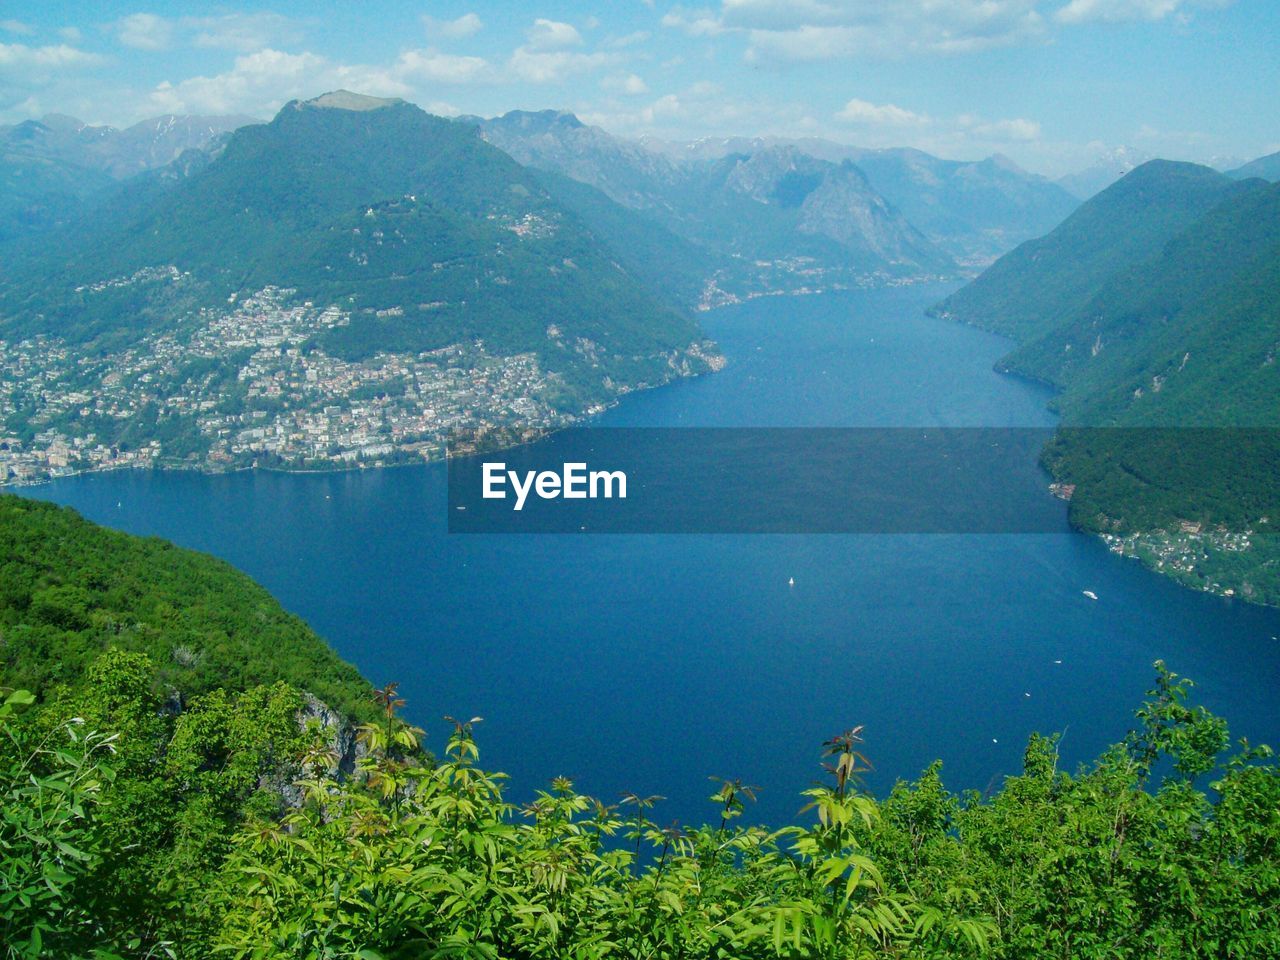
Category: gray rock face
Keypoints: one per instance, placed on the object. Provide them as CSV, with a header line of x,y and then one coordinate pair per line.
x,y
340,735
341,742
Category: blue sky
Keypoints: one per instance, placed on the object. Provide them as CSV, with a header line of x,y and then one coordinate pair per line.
x,y
1051,83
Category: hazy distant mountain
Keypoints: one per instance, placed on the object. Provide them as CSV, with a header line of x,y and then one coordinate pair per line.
x,y
118,153
50,169
553,140
1032,289
1103,172
37,193
780,202
426,234
973,211
1268,168
753,210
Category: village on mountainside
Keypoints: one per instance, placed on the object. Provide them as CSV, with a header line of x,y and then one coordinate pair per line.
x,y
241,385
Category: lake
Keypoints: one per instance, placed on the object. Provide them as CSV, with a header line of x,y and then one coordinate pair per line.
x,y
649,662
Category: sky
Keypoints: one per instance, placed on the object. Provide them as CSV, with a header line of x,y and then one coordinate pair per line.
x,y
1052,84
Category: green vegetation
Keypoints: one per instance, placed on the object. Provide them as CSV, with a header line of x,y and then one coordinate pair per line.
x,y
1156,309
71,590
148,809
1034,288
39,194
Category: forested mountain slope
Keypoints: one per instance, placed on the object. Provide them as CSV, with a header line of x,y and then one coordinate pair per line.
x,y
384,208
1032,289
1161,329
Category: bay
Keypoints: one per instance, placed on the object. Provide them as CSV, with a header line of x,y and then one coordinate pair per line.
x,y
650,662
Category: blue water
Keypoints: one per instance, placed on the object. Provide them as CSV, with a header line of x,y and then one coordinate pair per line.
x,y
648,663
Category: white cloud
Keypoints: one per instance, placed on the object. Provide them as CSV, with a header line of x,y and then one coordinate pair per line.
x,y
532,66
256,84
53,57
696,23
71,34
630,39
259,83
244,32
17,26
549,35
794,31
466,25
441,67
787,31
1016,129
144,31
664,107
887,114
549,55
624,83
1115,11
37,79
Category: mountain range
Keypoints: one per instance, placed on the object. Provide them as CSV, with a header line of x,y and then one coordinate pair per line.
x,y
890,210
52,168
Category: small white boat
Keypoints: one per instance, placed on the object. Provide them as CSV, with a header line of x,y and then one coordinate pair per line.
x,y
1090,594
791,581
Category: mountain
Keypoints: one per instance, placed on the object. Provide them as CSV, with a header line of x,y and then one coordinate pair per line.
x,y
118,153
771,215
356,280
383,208
1268,168
972,211
1155,311
53,169
555,140
161,140
1103,172
1037,286
38,193
1185,338
792,204
976,211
